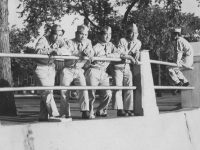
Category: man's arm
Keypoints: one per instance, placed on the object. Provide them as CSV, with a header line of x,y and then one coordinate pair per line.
x,y
179,49
115,53
41,48
63,48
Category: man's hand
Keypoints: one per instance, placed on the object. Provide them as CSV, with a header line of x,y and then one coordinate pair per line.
x,y
125,56
54,52
179,64
89,55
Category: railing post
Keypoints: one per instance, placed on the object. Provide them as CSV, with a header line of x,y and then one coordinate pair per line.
x,y
144,95
191,98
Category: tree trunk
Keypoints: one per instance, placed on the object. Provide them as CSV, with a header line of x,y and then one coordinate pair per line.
x,y
7,101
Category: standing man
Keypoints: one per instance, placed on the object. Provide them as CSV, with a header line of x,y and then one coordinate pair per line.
x,y
96,74
52,44
80,46
184,59
129,51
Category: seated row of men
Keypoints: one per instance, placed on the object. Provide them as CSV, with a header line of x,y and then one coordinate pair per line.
x,y
87,73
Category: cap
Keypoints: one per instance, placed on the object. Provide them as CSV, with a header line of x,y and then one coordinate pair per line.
x,y
106,29
177,30
132,27
57,27
82,28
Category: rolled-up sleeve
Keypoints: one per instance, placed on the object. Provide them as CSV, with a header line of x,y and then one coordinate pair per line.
x,y
64,48
88,49
40,47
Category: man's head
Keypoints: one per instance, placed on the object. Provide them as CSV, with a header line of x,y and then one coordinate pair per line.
x,y
56,32
132,32
105,34
81,33
176,33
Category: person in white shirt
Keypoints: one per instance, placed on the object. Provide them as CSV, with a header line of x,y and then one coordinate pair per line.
x,y
129,48
184,59
80,46
51,44
96,74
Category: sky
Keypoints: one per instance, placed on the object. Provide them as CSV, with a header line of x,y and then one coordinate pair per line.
x,y
189,6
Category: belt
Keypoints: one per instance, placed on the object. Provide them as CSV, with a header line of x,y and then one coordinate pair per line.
x,y
72,67
99,68
42,62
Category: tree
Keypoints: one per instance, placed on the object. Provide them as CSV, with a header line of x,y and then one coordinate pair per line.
x,y
7,101
18,39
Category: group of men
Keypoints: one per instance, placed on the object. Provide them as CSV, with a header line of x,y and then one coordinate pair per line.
x,y
88,72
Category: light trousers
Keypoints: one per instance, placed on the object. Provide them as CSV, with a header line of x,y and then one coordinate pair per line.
x,y
174,73
123,78
98,77
45,76
67,76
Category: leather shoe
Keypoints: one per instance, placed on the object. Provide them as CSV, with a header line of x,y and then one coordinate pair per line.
x,y
174,92
86,115
98,114
186,84
121,113
129,112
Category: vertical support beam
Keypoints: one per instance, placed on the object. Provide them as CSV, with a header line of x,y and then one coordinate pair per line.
x,y
191,98
144,95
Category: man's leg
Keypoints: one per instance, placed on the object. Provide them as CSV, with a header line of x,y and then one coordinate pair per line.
x,y
180,75
173,75
92,79
66,77
118,81
107,95
43,76
83,94
128,94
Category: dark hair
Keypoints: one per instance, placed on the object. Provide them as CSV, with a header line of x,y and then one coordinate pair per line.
x,y
102,32
177,33
53,31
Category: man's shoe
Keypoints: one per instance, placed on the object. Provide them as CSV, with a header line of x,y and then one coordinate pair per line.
x,y
42,120
179,84
121,113
186,84
129,112
98,114
174,92
86,115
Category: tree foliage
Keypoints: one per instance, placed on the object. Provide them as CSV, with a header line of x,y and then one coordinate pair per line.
x,y
18,39
96,12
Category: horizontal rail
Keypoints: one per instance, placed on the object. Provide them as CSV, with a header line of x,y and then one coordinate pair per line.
x,y
168,64
68,88
17,55
163,63
173,87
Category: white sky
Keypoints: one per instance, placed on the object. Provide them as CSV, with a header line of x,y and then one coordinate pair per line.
x,y
13,18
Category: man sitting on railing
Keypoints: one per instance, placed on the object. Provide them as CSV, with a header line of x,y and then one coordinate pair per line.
x,y
122,76
96,74
51,44
80,46
184,59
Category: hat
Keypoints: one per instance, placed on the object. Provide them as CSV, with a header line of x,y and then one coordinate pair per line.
x,y
106,29
177,30
82,28
132,27
56,27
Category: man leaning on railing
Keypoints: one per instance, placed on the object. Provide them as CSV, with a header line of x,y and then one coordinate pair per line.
x,y
80,46
44,69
